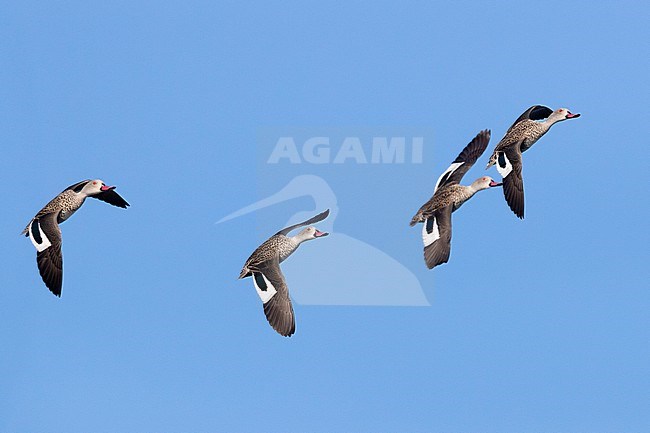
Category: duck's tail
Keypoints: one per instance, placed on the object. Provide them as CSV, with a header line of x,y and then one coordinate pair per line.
x,y
244,273
492,161
25,232
417,218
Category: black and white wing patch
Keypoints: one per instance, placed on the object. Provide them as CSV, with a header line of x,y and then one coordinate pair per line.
x,y
45,235
509,167
538,112
430,231
445,177
465,160
436,235
265,289
272,290
39,238
112,197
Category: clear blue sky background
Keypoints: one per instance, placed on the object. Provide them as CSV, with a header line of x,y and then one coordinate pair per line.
x,y
535,326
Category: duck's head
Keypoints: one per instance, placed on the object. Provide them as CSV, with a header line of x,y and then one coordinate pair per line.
x,y
310,233
562,114
485,182
94,187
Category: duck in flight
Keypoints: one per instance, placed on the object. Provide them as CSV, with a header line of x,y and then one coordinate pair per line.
x,y
393,284
44,232
264,266
448,196
527,129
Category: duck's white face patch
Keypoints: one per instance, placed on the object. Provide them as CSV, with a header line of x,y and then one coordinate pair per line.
x,y
504,167
453,167
38,237
263,286
430,232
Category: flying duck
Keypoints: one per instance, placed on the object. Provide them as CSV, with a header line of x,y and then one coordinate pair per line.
x,y
392,282
525,132
264,266
44,232
448,196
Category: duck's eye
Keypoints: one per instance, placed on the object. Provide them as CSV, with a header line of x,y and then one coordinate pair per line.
x,y
94,183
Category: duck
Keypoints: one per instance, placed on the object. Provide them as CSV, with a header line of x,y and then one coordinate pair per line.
x,y
393,284
448,197
44,232
527,129
264,268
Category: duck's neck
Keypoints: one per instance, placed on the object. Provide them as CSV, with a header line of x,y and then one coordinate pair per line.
x,y
83,193
299,238
552,120
473,189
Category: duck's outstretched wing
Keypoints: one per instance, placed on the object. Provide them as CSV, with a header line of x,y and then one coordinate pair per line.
x,y
45,235
536,112
436,235
272,290
110,196
313,220
77,187
508,163
465,160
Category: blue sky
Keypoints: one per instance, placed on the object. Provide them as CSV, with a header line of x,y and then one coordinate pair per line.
x,y
538,325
